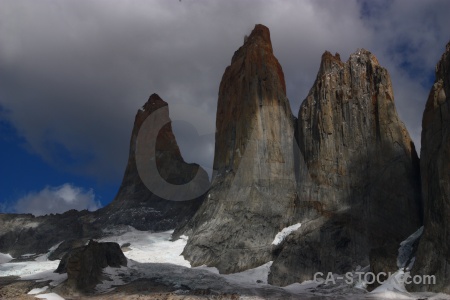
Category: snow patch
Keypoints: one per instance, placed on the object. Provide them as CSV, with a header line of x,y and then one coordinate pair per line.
x,y
44,257
28,255
4,258
27,268
284,233
34,270
48,275
148,247
114,278
393,287
213,270
406,249
38,290
50,296
298,288
257,275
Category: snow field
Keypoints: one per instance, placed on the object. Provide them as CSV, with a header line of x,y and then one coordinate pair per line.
x,y
154,255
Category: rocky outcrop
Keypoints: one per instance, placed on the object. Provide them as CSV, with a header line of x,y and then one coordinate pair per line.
x,y
359,181
135,204
433,256
24,233
253,193
84,266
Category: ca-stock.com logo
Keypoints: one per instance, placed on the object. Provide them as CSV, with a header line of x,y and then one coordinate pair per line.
x,y
399,278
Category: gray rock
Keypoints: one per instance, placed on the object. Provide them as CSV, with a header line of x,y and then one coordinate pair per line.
x,y
135,204
434,247
84,265
358,172
24,233
253,191
65,247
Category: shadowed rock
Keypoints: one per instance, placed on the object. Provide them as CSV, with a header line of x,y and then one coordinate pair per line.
x,y
135,204
24,233
434,247
84,266
358,172
253,194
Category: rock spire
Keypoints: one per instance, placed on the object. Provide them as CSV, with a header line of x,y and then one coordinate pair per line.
x,y
253,192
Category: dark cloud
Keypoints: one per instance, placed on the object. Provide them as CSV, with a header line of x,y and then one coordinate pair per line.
x,y
73,73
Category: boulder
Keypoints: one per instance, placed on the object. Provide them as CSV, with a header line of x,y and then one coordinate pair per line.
x,y
84,265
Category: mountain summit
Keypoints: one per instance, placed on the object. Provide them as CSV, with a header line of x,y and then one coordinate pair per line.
x,y
359,180
253,192
135,204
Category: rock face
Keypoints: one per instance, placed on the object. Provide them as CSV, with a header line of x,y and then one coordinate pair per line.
x,y
253,192
434,247
359,178
135,204
84,265
24,233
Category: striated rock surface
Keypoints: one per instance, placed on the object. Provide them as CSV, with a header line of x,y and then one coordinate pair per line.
x,y
433,256
253,191
135,204
24,233
359,180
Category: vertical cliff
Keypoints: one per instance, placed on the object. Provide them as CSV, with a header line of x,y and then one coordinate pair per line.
x,y
359,185
433,255
253,191
134,203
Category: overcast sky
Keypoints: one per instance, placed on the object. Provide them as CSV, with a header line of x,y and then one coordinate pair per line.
x,y
73,74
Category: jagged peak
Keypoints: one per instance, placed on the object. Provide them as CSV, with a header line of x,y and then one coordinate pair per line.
x,y
260,32
443,64
329,61
153,103
363,53
327,55
259,37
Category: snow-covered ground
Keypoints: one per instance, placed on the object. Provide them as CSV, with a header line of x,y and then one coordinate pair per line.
x,y
27,268
4,258
149,247
154,255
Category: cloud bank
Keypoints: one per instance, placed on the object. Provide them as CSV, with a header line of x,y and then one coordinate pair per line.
x,y
73,73
57,200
